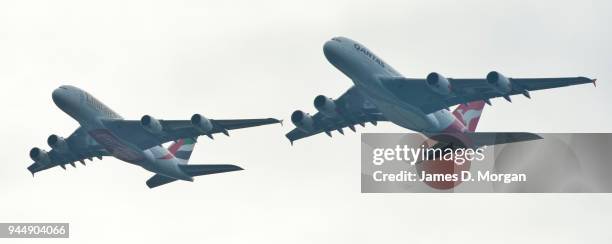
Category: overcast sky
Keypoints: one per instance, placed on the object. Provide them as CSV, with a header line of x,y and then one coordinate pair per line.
x,y
250,59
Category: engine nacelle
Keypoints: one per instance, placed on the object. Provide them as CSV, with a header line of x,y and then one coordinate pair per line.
x,y
438,83
39,156
57,142
325,105
201,123
151,124
302,120
499,82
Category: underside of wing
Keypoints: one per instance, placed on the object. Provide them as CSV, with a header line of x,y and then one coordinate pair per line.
x,y
437,92
149,132
78,147
348,110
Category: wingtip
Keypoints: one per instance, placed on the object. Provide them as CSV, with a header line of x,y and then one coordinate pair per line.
x,y
594,82
31,169
289,138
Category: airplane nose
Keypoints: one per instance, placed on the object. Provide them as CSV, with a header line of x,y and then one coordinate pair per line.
x,y
331,49
60,96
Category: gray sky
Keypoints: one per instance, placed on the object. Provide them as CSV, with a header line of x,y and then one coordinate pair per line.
x,y
245,59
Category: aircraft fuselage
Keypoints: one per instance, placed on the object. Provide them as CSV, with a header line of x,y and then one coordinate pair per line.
x,y
366,69
90,113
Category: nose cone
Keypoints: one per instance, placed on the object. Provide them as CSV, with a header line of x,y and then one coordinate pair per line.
x,y
65,98
59,96
330,49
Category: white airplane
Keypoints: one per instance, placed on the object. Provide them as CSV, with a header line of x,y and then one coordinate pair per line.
x,y
381,93
103,132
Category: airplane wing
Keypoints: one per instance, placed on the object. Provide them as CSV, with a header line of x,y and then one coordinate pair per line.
x,y
78,147
352,109
418,92
134,132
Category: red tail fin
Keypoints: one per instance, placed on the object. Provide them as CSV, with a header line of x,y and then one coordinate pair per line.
x,y
469,114
182,148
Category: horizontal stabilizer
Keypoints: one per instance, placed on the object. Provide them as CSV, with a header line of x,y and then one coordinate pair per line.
x,y
479,139
206,169
495,138
158,180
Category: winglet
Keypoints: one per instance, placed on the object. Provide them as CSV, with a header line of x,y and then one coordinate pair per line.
x,y
281,122
32,169
594,82
291,140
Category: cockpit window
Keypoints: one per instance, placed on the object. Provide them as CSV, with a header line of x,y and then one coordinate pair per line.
x,y
336,39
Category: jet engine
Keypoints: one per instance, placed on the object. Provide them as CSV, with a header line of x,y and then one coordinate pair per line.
x,y
302,120
57,142
151,124
438,83
325,105
201,123
499,82
40,156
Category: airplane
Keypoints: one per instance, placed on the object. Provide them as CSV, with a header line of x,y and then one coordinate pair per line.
x,y
103,132
380,93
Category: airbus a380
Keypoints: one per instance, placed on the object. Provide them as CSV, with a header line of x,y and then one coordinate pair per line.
x,y
380,93
103,132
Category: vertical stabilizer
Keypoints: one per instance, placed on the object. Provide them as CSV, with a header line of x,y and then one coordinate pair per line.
x,y
469,114
182,149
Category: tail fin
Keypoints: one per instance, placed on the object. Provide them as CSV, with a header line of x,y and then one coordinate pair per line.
x,y
182,148
469,114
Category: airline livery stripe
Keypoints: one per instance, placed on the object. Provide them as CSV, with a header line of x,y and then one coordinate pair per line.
x,y
183,154
186,147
